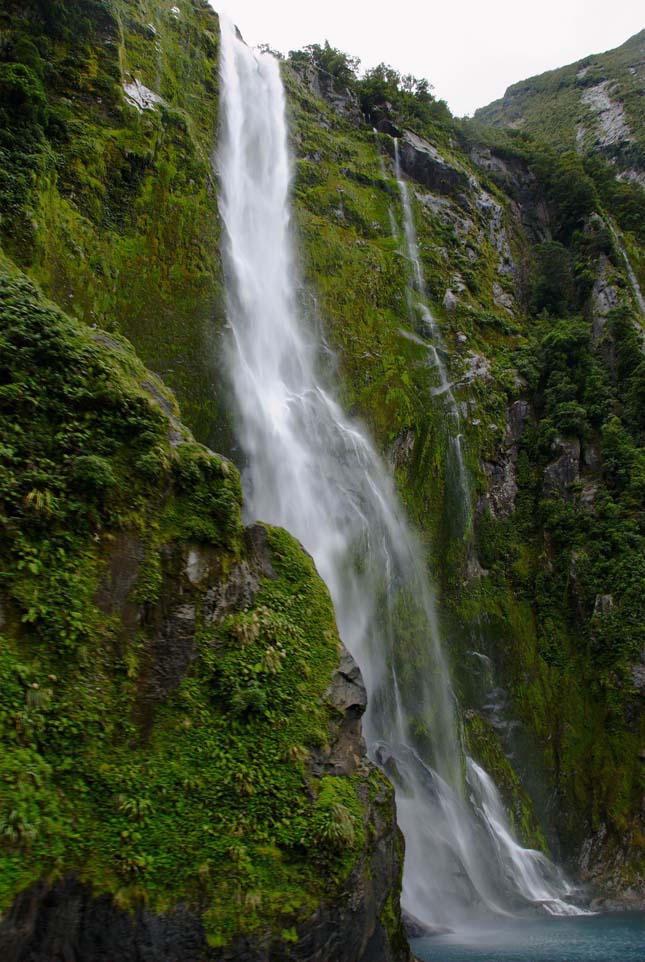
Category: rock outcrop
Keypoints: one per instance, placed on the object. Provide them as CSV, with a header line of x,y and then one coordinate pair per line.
x,y
195,687
561,473
501,472
342,100
424,164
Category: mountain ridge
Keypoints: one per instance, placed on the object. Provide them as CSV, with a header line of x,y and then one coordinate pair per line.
x,y
589,105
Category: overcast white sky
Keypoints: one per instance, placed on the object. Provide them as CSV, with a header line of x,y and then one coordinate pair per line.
x,y
471,50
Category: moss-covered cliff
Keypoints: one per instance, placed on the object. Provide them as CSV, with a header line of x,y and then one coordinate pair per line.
x,y
130,536
108,117
592,106
181,753
542,570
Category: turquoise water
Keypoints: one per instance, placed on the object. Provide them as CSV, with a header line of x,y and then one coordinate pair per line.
x,y
595,938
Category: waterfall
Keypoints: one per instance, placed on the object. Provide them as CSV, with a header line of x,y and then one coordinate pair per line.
x,y
633,280
536,878
418,306
314,471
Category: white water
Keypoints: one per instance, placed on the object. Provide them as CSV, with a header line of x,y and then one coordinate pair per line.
x,y
537,879
418,306
633,280
314,471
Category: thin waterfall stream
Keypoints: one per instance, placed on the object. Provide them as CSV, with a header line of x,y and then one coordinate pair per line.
x,y
314,471
631,274
418,305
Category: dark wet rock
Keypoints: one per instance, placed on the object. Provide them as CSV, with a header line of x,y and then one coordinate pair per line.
x,y
387,126
503,298
604,298
517,416
588,495
125,557
563,472
418,930
638,680
450,300
402,449
346,750
347,691
423,162
326,87
514,176
603,604
501,486
591,457
383,121
602,865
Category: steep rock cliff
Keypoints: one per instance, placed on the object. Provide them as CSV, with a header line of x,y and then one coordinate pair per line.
x,y
529,288
183,774
109,201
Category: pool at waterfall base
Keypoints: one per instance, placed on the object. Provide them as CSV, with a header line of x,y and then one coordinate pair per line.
x,y
591,938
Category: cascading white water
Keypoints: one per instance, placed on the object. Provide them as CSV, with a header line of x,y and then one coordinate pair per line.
x,y
313,471
633,280
536,878
532,875
418,305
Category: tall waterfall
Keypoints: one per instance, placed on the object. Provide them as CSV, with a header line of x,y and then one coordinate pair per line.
x,y
315,472
418,307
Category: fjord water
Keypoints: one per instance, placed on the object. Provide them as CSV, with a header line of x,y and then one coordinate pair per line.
x,y
314,471
593,938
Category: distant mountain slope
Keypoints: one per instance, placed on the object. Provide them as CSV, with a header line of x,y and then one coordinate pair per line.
x,y
592,106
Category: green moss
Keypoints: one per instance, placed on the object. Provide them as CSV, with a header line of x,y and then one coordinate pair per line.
x,y
110,209
199,795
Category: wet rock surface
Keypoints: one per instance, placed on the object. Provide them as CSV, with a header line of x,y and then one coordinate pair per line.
x,y
565,470
604,299
423,163
501,473
324,86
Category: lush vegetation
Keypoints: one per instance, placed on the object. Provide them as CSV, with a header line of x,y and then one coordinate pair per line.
x,y
379,89
156,781
568,109
112,209
556,551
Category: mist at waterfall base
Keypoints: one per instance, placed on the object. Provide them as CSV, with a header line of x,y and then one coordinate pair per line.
x,y
314,471
593,938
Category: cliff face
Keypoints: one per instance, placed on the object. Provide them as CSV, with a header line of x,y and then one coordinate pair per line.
x,y
593,109
108,111
542,336
182,764
166,772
